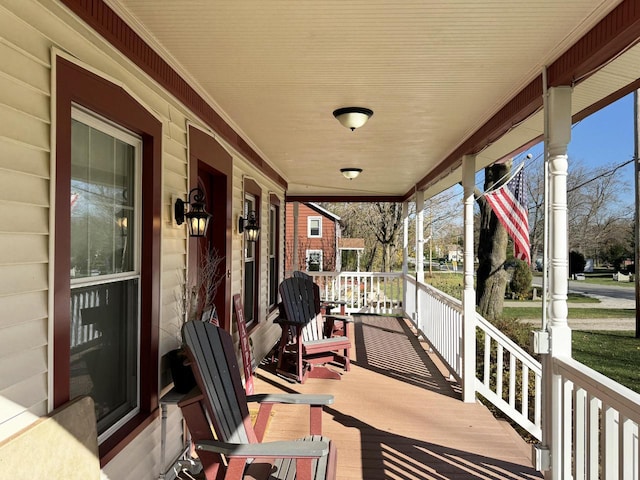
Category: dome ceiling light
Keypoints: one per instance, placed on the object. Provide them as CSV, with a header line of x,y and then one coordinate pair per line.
x,y
353,117
350,173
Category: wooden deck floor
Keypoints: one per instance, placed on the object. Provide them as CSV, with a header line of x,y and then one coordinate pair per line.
x,y
396,417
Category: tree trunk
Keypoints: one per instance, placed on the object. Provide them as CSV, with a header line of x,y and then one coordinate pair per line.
x,y
386,257
492,252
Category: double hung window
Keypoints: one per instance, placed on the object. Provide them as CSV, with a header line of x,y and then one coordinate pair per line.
x,y
314,227
105,268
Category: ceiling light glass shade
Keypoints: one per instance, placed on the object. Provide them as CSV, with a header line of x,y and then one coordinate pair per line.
x,y
353,117
351,173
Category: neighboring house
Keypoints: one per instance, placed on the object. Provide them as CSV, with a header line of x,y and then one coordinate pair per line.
x,y
455,253
318,235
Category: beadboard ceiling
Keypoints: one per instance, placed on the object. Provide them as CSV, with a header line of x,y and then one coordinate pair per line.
x,y
433,72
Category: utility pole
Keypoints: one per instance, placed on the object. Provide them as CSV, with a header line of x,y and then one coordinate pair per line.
x,y
636,163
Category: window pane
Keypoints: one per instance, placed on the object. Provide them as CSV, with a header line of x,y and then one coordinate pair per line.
x,y
314,227
249,295
102,203
104,344
273,281
314,260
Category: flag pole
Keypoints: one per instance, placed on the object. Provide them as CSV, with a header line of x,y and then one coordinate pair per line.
x,y
636,152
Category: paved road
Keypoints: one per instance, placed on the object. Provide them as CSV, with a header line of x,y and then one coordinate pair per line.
x,y
606,293
610,297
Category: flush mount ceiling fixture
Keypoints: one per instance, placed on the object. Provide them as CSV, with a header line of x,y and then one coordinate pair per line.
x,y
350,173
353,117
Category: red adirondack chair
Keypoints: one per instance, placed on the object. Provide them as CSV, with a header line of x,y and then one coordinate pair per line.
x,y
306,343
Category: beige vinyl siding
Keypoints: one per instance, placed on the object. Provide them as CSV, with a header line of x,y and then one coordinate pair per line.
x,y
30,30
24,225
23,158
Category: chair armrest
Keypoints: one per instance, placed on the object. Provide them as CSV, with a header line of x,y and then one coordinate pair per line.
x,y
344,318
286,449
292,398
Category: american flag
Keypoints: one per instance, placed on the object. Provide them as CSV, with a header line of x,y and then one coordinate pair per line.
x,y
509,204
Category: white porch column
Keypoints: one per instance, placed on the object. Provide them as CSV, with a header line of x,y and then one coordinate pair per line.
x,y
294,262
558,135
469,293
420,236
405,237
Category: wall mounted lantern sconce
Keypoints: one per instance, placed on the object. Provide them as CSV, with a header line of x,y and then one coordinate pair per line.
x,y
353,117
249,226
350,173
123,222
197,217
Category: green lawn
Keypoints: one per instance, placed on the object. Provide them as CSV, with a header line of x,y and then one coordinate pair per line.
x,y
614,354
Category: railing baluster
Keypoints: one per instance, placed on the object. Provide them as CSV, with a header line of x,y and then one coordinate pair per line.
x,y
609,442
567,431
499,368
593,436
524,409
487,360
512,380
579,432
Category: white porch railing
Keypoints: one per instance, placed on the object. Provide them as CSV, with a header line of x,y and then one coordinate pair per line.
x,y
516,392
599,418
599,421
361,290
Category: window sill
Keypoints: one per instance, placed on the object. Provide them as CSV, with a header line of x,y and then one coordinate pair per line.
x,y
117,442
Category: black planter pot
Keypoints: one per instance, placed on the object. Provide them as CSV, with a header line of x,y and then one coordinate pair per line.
x,y
183,379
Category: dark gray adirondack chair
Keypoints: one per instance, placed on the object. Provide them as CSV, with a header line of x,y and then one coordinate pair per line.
x,y
221,397
335,325
304,341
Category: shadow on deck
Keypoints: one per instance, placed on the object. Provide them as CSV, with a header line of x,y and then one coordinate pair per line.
x,y
396,416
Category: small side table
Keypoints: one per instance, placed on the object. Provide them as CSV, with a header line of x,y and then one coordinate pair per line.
x,y
171,398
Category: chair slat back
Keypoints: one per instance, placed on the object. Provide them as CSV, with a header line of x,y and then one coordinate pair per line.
x,y
299,274
299,297
316,287
215,367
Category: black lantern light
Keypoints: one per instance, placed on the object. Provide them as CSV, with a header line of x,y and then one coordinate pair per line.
x,y
197,217
249,226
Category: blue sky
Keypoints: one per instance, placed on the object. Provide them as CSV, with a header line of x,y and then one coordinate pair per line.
x,y
606,136
604,139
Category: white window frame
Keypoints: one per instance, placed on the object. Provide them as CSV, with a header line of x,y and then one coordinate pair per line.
x,y
309,220
273,255
98,122
309,252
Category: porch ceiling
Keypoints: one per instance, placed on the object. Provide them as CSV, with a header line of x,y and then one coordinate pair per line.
x,y
432,71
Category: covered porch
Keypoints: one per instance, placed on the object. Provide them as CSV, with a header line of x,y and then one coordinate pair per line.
x,y
398,416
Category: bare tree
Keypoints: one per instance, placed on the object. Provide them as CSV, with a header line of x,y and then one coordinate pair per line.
x,y
595,212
